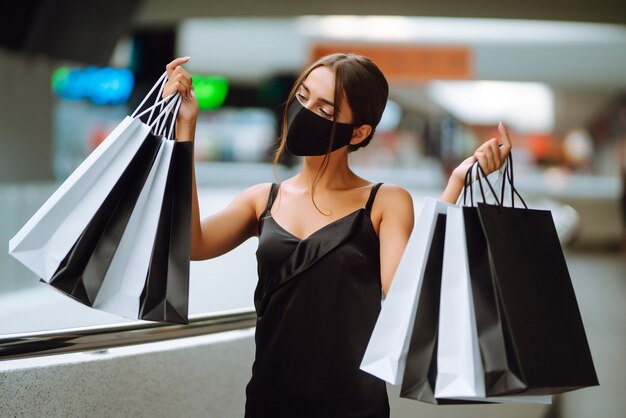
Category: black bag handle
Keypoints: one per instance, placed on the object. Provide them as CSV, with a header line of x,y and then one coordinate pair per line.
x,y
480,172
508,176
468,185
480,176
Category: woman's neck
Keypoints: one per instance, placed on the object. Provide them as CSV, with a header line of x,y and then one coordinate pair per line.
x,y
335,175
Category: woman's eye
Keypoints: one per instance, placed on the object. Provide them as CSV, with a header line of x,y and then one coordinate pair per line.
x,y
301,97
325,113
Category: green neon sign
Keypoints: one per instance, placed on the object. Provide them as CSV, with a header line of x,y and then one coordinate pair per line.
x,y
210,90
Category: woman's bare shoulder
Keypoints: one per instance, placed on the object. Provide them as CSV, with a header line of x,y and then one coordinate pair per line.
x,y
394,194
256,197
394,199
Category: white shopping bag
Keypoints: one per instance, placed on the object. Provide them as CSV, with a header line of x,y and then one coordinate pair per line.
x,y
385,355
44,241
459,366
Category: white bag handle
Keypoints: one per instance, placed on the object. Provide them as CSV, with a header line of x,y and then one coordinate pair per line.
x,y
172,107
159,123
154,106
160,82
174,116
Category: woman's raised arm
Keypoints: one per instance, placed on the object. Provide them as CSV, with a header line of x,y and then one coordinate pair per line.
x,y
221,232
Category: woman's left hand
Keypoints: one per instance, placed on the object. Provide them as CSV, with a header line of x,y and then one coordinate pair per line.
x,y
490,155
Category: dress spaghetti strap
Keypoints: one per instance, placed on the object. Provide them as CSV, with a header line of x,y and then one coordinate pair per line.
x,y
370,200
270,199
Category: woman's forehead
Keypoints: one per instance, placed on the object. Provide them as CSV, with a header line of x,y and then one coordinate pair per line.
x,y
321,82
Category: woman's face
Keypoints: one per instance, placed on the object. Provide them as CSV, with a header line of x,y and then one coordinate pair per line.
x,y
317,92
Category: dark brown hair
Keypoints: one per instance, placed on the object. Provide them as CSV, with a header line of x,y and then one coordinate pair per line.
x,y
365,89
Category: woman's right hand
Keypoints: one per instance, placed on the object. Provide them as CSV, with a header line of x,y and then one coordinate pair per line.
x,y
179,80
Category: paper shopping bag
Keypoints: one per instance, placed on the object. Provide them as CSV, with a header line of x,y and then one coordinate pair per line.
x,y
459,366
48,236
418,381
44,241
126,275
543,325
419,378
81,273
460,361
501,371
165,296
385,355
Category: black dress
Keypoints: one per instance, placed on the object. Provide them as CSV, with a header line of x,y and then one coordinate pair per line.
x,y
317,301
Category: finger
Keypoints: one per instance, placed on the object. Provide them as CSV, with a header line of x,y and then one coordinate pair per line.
x,y
495,153
486,151
489,161
180,70
505,141
175,63
169,89
181,75
175,87
480,157
184,81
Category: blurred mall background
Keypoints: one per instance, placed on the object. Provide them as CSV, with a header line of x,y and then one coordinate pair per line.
x,y
554,72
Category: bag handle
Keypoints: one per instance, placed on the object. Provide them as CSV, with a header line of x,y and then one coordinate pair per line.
x,y
174,107
508,177
158,103
480,176
480,172
468,185
161,84
159,124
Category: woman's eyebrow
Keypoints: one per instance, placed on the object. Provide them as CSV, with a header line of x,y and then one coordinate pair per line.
x,y
321,99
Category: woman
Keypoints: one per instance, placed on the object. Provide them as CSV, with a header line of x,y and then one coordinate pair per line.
x,y
329,242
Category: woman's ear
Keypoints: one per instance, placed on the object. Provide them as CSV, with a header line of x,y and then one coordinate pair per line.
x,y
360,133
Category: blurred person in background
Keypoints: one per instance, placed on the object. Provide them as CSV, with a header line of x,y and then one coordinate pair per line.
x,y
329,241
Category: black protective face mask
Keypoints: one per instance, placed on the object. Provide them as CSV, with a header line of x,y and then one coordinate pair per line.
x,y
309,133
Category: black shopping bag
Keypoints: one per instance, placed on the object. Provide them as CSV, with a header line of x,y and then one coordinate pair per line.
x,y
535,314
499,365
165,296
418,381
542,321
501,371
